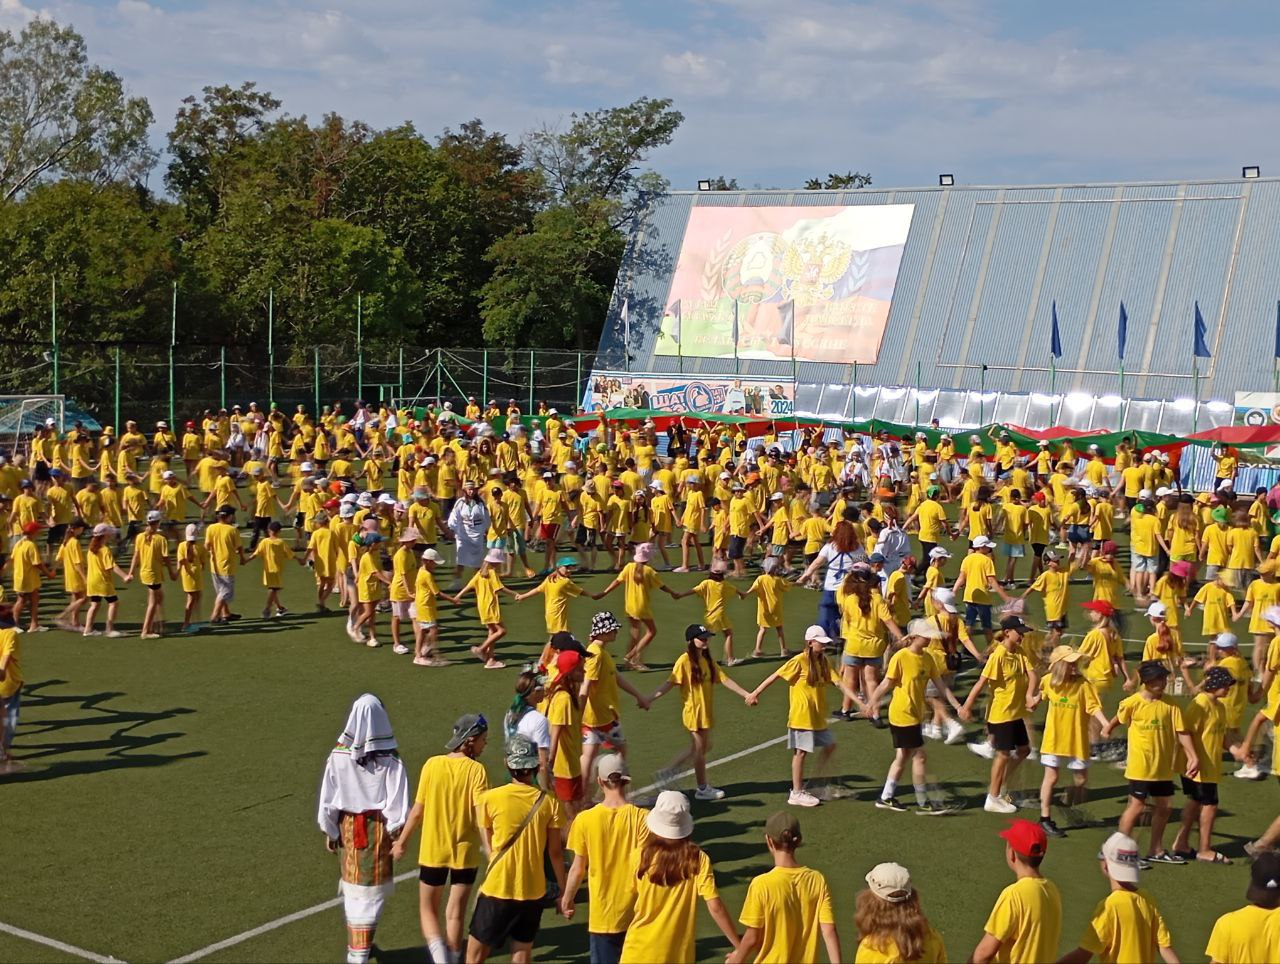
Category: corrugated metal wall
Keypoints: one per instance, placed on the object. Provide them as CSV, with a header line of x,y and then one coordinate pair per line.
x,y
983,265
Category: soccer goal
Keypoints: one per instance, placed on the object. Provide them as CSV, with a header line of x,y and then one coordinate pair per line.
x,y
22,415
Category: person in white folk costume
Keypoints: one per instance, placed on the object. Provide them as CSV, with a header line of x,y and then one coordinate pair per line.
x,y
364,800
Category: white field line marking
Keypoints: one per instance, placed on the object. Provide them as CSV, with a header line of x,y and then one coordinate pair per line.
x,y
337,901
57,945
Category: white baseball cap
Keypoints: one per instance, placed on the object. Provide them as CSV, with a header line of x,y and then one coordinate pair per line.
x,y
306,467
1272,615
1145,494
1226,641
1120,851
945,598
816,634
167,474
982,542
154,516
430,555
192,531
386,499
937,552
776,496
1163,491
1157,610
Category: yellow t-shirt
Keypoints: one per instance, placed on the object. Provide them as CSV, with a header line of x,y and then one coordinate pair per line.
x,y
609,838
1153,728
788,905
1143,527
601,708
769,590
557,591
11,648
152,552
1006,672
101,572
715,595
1262,595
864,633
911,672
1216,602
1206,721
519,875
193,559
449,789
71,555
368,583
425,592
807,702
274,553
664,920
223,542
1053,584
1242,936
1126,926
1066,724
933,951
977,569
1100,651
638,583
486,586
696,695
932,518
26,566
562,711
1107,580
1242,544
1027,920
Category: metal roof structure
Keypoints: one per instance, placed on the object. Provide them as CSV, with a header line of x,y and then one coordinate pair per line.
x,y
982,266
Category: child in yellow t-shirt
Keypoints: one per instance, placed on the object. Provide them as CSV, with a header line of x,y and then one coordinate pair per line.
x,y
274,554
769,589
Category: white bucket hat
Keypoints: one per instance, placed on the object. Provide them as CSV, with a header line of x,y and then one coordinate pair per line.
x,y
670,817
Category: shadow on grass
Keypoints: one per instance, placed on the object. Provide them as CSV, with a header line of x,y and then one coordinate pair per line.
x,y
123,748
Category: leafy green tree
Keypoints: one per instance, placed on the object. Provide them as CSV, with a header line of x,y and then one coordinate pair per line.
x,y
718,183
550,286
849,181
61,116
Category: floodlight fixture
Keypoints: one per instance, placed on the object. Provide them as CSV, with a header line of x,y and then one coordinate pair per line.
x,y
1250,171
704,185
946,180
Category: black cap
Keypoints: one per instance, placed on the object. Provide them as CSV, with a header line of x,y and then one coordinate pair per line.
x,y
567,642
1014,622
226,510
1264,880
1152,669
697,631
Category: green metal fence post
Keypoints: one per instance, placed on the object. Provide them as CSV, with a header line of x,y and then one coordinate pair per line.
x,y
117,422
484,377
315,378
400,391
271,346
577,385
531,364
359,346
438,375
173,340
53,306
222,377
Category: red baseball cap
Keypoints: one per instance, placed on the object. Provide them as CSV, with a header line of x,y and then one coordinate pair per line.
x,y
1109,548
1038,497
1026,838
1100,606
567,661
31,528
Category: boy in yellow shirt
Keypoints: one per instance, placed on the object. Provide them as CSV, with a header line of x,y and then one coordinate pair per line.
x,y
274,553
1156,728
1026,922
1126,925
10,687
769,588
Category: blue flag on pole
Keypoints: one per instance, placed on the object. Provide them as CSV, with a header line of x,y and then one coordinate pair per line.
x,y
787,332
1200,349
1055,339
1123,334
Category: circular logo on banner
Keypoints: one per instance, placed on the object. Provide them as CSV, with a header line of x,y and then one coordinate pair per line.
x,y
698,397
1256,417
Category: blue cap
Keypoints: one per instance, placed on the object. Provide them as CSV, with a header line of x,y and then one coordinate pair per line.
x,y
566,561
876,557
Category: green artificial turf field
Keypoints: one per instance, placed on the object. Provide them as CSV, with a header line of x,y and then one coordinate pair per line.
x,y
170,796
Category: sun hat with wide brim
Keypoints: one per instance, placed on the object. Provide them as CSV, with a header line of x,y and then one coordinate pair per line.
x,y
670,818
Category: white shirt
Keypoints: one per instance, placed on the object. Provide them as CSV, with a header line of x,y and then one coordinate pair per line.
x,y
534,727
838,566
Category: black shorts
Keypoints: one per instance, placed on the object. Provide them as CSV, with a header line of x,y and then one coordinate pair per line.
x,y
1007,737
42,472
151,585
299,521
439,876
495,920
1059,624
586,537
1038,548
737,547
1144,789
906,737
57,533
1205,794
109,599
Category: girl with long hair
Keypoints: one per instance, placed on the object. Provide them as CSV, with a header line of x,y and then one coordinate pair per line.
x,y
523,718
1103,653
671,874
100,573
696,673
639,580
1164,644
891,923
487,584
809,674
835,559
866,622
1073,706
1171,589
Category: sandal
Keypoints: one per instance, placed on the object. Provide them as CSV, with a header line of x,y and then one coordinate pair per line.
x,y
1186,854
1164,857
1217,858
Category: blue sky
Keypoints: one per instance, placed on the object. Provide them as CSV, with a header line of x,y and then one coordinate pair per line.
x,y
774,91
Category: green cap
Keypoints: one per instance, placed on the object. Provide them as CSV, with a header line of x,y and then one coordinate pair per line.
x,y
521,754
932,491
783,827
1219,514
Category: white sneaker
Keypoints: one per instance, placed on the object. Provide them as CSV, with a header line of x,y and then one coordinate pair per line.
x,y
680,569
984,750
372,642
996,805
1247,773
708,793
353,635
400,649
115,634
802,798
955,733
931,731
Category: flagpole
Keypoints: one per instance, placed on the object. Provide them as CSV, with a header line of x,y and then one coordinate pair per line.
x,y
1053,385
1195,382
1122,379
735,337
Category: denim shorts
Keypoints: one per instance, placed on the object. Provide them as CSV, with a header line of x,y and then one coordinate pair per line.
x,y
858,661
1143,563
975,613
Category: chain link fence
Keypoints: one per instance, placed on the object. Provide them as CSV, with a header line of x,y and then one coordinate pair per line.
x,y
147,382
